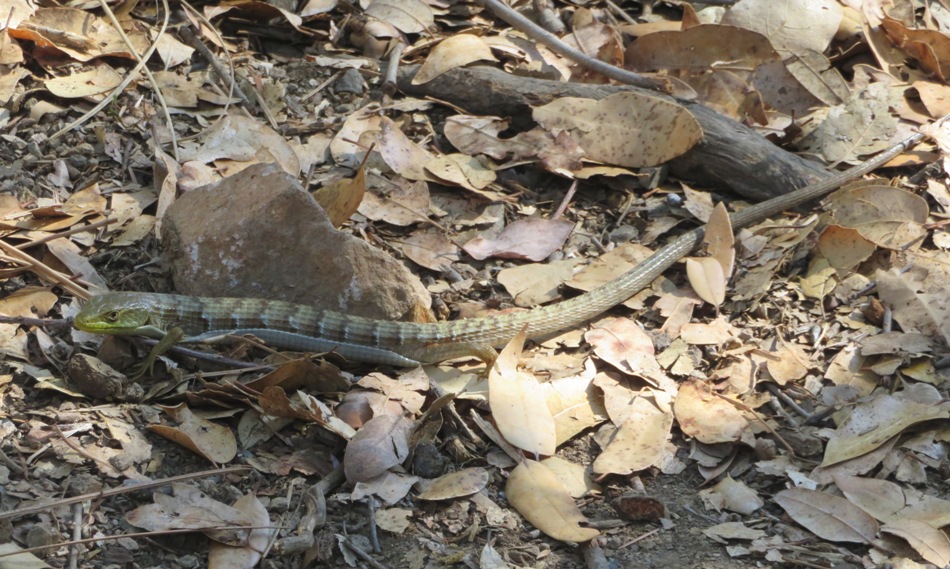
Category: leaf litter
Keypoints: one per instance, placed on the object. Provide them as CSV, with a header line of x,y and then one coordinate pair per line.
x,y
754,379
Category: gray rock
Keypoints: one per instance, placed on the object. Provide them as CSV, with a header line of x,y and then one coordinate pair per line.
x,y
259,234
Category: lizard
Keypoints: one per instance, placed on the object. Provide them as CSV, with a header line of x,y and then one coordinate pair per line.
x,y
172,318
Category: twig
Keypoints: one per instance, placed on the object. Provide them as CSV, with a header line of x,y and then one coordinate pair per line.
x,y
542,36
348,543
143,534
102,494
67,233
746,408
392,67
566,201
77,536
44,272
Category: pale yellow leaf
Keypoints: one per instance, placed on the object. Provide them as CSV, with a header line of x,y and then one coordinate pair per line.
x,y
639,443
536,493
454,51
456,484
518,405
707,279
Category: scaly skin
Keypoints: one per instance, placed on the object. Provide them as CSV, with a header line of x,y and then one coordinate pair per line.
x,y
298,327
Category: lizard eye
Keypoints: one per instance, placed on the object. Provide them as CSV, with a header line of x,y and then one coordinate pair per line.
x,y
112,316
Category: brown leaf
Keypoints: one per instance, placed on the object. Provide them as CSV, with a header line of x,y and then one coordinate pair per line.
x,y
639,443
708,418
889,502
532,238
624,129
872,423
341,198
213,441
247,556
707,279
380,444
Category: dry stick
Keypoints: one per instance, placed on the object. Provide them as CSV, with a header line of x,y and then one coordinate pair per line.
x,y
566,201
102,494
746,408
140,66
542,36
362,554
144,534
79,450
67,233
392,67
77,535
45,272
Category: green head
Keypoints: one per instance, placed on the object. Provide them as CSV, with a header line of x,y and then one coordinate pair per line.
x,y
118,313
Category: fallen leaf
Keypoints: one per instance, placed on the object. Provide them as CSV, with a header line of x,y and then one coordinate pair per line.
x,y
518,405
828,516
874,422
381,443
454,51
536,493
706,417
889,502
639,443
931,543
532,238
247,556
213,441
624,129
456,484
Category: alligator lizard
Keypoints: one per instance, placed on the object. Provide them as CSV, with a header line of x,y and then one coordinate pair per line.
x,y
304,328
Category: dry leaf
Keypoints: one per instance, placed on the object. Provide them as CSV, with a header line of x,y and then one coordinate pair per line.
x,y
931,543
99,80
872,423
224,556
341,198
454,51
383,442
456,484
576,478
536,493
639,443
721,243
707,279
532,238
408,16
189,508
625,129
828,516
213,441
806,25
518,405
706,417
889,502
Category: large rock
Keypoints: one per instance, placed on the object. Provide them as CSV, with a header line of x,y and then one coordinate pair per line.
x,y
259,234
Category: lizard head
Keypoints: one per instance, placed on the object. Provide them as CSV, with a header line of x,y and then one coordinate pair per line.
x,y
118,313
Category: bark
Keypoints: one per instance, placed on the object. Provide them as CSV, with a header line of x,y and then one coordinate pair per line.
x,y
730,155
